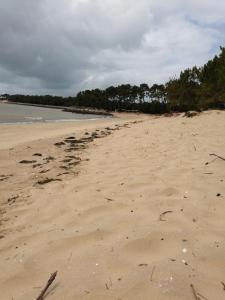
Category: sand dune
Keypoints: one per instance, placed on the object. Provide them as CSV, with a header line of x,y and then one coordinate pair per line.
x,y
135,212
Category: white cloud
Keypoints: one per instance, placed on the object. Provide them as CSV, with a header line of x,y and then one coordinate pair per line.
x,y
62,46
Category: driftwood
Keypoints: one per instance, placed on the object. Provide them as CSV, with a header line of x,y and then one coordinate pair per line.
x,y
50,281
220,157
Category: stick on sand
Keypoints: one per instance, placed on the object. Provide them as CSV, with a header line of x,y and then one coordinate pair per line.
x,y
50,281
194,292
220,157
163,214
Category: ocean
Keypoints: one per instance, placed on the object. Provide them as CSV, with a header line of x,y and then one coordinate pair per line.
x,y
13,113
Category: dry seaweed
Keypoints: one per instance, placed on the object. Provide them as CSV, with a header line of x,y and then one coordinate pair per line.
x,y
24,161
47,180
37,154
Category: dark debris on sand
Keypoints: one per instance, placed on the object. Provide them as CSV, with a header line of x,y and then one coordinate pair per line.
x,y
47,180
70,161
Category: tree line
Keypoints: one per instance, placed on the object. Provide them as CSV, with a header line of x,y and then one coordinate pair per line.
x,y
198,88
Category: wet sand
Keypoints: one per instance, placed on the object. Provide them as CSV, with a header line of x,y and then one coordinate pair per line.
x,y
124,208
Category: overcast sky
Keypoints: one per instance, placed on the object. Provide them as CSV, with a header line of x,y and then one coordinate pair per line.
x,y
63,46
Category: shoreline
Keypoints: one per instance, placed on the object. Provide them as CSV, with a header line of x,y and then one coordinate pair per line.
x,y
13,134
78,110
47,121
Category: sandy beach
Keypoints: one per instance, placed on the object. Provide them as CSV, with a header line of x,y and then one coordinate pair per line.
x,y
128,208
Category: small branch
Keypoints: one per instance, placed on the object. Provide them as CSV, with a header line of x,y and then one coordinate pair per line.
x,y
153,270
202,296
109,284
50,281
194,292
163,214
109,199
220,157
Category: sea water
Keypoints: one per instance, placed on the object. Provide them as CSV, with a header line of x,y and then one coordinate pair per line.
x,y
14,113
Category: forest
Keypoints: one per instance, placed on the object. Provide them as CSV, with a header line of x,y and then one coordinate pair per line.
x,y
197,88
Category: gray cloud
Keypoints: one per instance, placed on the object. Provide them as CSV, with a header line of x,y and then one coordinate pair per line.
x,y
62,46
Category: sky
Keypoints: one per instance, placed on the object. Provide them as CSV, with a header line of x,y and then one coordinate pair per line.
x,y
63,46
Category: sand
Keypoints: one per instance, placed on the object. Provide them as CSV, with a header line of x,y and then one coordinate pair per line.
x,y
138,213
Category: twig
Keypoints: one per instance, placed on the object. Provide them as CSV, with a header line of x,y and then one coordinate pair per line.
x,y
223,284
153,270
109,199
211,161
220,157
202,296
163,214
50,281
194,292
109,284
